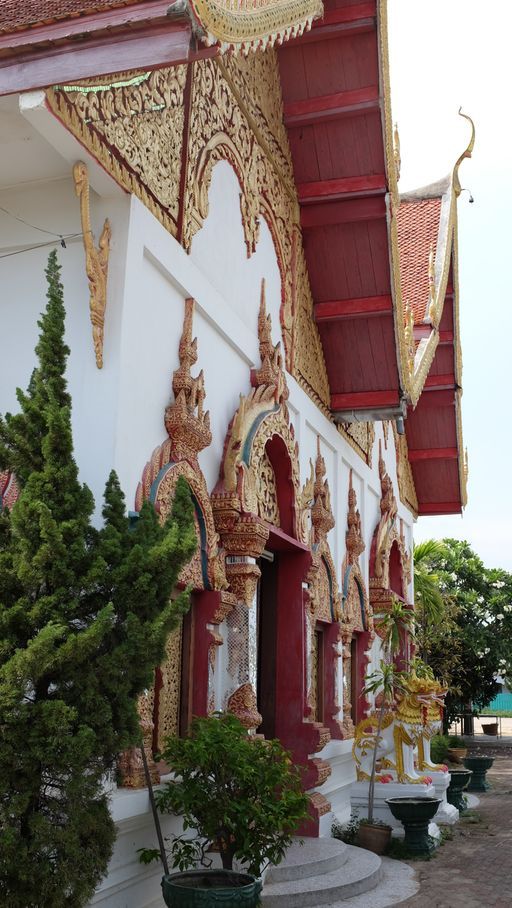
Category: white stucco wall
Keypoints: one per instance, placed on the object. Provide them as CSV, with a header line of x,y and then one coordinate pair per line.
x,y
118,412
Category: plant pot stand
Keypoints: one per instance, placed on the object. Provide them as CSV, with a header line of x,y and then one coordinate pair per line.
x,y
207,888
459,781
479,767
381,811
415,813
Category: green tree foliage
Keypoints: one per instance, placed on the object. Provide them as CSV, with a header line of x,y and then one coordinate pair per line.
x,y
84,615
242,793
473,638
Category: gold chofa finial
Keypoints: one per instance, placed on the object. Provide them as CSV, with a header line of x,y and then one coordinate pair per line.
x,y
465,154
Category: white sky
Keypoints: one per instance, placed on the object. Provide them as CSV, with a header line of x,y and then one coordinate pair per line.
x,y
445,54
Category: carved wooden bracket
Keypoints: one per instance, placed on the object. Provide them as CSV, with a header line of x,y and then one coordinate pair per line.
x,y
96,260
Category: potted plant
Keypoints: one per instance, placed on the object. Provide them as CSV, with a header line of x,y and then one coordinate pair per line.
x,y
238,795
384,684
457,749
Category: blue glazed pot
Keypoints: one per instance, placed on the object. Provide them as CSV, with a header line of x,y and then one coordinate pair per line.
x,y
206,888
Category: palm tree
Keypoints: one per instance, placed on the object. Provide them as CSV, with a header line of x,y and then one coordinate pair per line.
x,y
429,600
427,594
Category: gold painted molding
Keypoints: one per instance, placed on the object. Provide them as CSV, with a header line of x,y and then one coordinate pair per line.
x,y
253,24
96,261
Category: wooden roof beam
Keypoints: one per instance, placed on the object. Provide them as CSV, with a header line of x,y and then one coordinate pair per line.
x,y
347,20
422,454
348,211
364,400
440,382
344,188
331,107
439,507
360,307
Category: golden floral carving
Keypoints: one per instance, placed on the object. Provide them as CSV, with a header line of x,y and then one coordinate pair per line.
x,y
406,487
361,437
242,703
386,535
96,261
188,426
134,127
354,536
319,803
130,764
242,124
170,688
254,23
243,575
238,500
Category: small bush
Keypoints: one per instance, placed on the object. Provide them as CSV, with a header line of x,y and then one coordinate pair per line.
x,y
455,741
439,748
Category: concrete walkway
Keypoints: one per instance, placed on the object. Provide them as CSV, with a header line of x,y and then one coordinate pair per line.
x,y
475,869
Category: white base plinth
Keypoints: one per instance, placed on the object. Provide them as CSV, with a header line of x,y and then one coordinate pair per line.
x,y
381,811
447,815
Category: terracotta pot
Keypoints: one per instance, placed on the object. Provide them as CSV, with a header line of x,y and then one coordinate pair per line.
x,y
457,754
490,728
374,838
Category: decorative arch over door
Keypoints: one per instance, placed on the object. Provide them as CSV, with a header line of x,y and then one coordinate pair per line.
x,y
390,562
184,682
357,631
259,509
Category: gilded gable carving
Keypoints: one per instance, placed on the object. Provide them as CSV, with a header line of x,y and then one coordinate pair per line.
x,y
136,127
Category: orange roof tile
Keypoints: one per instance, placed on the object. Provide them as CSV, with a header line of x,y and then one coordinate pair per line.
x,y
16,15
418,226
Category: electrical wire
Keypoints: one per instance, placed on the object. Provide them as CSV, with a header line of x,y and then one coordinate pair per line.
x,y
59,239
28,224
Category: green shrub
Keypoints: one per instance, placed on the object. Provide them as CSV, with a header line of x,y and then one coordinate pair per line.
x,y
455,741
241,794
439,748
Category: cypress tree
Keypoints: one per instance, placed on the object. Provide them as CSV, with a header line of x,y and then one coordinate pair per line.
x,y
84,615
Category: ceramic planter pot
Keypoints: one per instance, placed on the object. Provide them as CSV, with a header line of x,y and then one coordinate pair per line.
x,y
457,754
207,888
479,767
415,814
374,838
490,728
459,781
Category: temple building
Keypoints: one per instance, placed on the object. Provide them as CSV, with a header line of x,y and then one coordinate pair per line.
x,y
250,305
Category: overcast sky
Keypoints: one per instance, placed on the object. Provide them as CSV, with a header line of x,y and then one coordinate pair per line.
x,y
444,54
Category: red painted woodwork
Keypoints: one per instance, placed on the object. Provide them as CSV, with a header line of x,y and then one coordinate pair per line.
x,y
335,190
365,306
433,454
438,382
339,104
331,89
439,507
141,36
396,583
369,400
370,208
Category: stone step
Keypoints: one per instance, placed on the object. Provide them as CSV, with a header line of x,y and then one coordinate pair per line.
x,y
309,857
360,872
